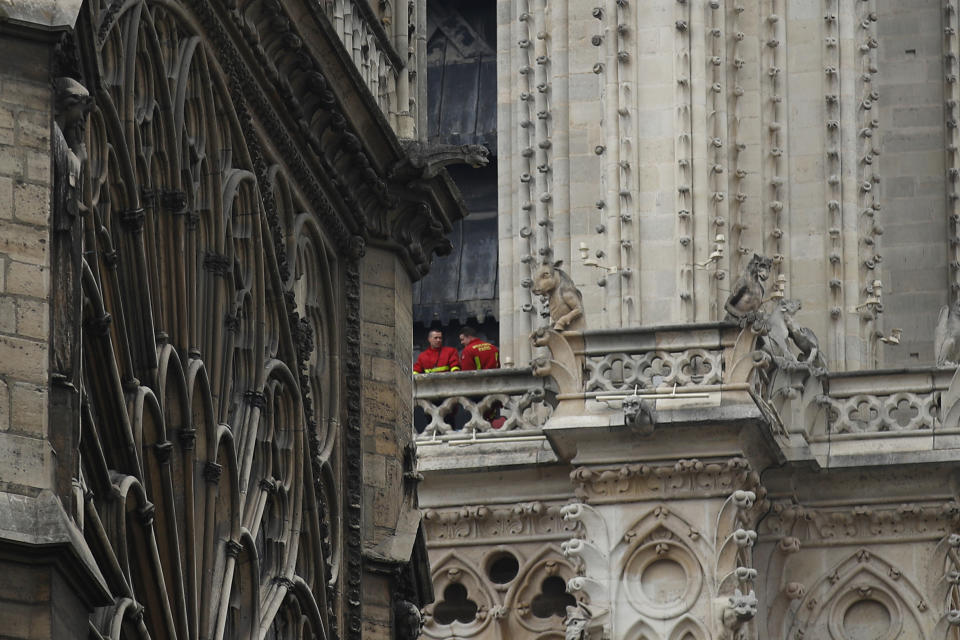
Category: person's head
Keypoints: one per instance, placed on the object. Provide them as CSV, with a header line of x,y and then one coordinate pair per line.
x,y
435,338
467,335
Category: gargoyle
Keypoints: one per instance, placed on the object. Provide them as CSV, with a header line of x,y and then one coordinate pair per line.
x,y
566,302
740,610
424,161
576,623
72,104
746,296
946,345
783,326
407,619
804,338
639,415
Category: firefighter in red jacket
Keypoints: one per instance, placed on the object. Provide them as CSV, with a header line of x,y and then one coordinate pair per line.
x,y
477,353
437,358
480,354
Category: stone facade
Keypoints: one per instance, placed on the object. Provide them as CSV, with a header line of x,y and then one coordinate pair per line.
x,y
787,475
655,146
209,231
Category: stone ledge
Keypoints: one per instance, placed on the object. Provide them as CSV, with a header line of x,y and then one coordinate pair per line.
x,y
41,15
35,530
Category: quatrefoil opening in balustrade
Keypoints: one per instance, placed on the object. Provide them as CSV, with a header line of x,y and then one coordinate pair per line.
x,y
455,606
553,599
904,413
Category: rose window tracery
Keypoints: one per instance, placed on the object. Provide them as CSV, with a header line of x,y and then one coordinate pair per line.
x,y
209,470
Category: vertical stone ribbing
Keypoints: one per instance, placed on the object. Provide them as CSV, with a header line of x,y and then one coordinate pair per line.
x,y
530,207
951,91
834,213
541,108
611,130
625,107
684,155
736,172
868,205
717,144
774,138
870,229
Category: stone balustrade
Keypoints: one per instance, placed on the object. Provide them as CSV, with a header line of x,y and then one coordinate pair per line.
x,y
654,357
886,401
585,377
379,46
470,402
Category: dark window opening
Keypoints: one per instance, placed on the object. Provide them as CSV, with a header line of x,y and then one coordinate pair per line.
x,y
553,599
503,569
455,607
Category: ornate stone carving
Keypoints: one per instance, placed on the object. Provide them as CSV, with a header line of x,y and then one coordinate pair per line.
x,y
72,103
426,160
782,325
746,294
575,624
812,525
522,521
741,608
686,478
946,346
868,413
624,371
563,297
639,415
408,621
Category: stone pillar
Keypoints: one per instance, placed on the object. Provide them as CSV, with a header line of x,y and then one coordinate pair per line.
x,y
49,582
390,516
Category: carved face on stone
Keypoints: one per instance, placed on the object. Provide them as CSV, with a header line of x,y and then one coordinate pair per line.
x,y
789,306
545,279
759,267
744,606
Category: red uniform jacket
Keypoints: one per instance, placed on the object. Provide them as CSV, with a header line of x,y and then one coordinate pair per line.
x,y
480,354
433,361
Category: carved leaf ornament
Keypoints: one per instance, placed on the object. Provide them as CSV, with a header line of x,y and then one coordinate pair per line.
x,y
209,478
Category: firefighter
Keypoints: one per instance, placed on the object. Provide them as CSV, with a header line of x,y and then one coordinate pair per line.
x,y
437,358
477,353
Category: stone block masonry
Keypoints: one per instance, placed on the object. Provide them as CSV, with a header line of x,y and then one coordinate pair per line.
x,y
26,102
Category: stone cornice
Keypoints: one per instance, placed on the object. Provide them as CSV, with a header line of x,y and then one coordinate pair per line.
x,y
861,524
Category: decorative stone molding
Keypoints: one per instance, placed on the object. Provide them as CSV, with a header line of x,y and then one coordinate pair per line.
x,y
824,526
863,592
492,524
683,479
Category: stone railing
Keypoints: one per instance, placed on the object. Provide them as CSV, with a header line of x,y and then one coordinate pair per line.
x,y
379,47
886,401
654,357
497,401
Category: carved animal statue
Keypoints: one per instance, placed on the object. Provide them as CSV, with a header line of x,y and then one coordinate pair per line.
x,y
946,342
746,296
740,610
576,623
73,103
639,415
566,302
803,337
409,621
